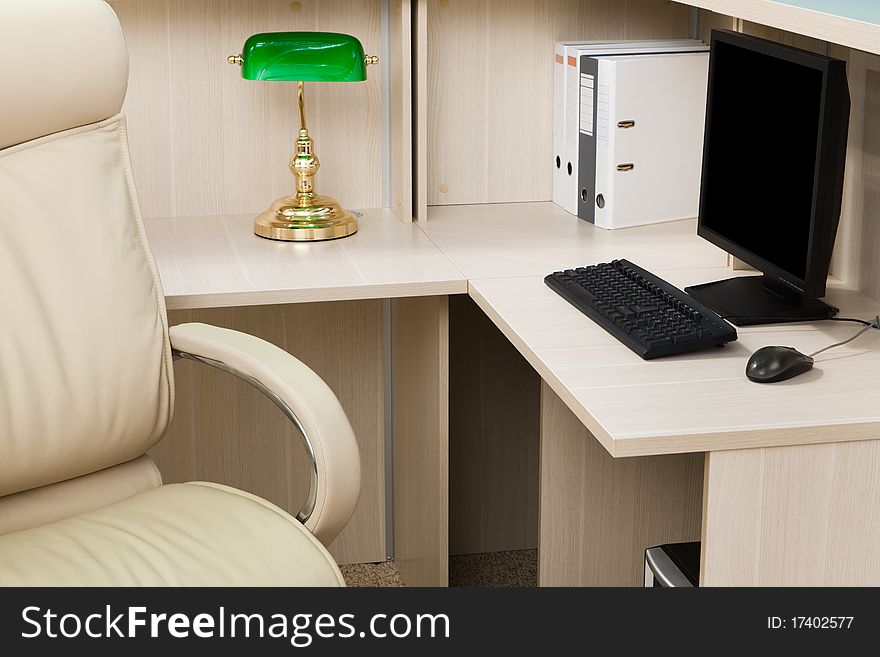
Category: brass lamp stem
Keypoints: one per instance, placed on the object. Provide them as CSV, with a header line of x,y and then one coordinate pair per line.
x,y
304,164
302,105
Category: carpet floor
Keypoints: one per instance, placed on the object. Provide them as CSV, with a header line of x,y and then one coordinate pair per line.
x,y
514,569
383,574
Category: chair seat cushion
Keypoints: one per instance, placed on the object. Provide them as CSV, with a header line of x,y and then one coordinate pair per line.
x,y
195,534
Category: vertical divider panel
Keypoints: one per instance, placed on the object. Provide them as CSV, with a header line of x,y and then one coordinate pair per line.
x,y
401,110
855,256
598,513
494,428
420,109
420,385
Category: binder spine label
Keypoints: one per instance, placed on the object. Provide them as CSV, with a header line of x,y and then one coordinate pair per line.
x,y
588,90
587,138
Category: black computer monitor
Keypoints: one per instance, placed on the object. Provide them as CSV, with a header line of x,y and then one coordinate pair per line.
x,y
773,161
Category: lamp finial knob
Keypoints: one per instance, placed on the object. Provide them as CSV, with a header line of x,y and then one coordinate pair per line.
x,y
235,59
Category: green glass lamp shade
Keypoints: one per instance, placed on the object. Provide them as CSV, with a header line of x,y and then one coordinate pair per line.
x,y
303,56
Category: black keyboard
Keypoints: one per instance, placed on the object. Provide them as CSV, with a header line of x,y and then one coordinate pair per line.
x,y
644,312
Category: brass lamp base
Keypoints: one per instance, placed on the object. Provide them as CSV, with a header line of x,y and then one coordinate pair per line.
x,y
322,219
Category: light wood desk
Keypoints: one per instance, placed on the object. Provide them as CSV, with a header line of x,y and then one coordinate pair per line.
x,y
431,109
778,481
710,455
783,494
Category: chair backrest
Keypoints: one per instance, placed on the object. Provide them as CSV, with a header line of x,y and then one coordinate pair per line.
x,y
85,361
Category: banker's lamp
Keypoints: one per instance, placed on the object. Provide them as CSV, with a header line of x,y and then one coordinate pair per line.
x,y
304,57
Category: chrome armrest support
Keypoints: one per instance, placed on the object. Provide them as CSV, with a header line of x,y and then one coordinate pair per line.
x,y
309,506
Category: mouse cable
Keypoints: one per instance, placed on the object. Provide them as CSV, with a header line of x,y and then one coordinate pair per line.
x,y
869,325
863,322
772,320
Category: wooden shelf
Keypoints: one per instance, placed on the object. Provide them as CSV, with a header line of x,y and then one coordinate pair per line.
x,y
846,30
534,239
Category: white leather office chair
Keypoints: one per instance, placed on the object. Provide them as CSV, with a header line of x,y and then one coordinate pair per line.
x,y
86,381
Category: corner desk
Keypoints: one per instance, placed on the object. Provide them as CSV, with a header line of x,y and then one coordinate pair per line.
x,y
779,482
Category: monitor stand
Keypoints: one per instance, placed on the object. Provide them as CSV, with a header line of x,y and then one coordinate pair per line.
x,y
750,300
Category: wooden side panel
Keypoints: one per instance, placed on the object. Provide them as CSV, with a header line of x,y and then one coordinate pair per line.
x,y
710,20
206,142
494,429
793,516
598,514
490,87
788,38
420,114
401,110
420,362
858,238
225,431
855,261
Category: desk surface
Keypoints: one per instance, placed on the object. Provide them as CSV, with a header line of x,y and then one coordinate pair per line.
x,y
210,262
700,401
499,254
694,402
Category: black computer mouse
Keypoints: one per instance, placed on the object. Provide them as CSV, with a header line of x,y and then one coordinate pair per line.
x,y
772,364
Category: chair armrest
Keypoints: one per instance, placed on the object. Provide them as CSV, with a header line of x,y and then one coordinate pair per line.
x,y
306,400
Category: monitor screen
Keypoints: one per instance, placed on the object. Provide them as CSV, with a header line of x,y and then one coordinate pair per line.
x,y
760,159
